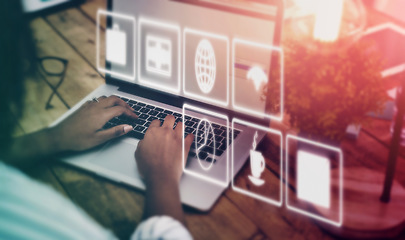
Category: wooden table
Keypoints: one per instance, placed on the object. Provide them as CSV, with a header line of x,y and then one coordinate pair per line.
x,y
71,34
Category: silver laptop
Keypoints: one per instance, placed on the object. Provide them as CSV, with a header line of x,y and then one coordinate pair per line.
x,y
178,57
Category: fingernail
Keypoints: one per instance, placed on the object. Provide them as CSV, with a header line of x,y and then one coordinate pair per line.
x,y
128,128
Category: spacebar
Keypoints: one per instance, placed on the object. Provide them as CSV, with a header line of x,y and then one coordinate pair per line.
x,y
136,135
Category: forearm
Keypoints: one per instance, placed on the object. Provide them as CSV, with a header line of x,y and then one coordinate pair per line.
x,y
163,198
29,149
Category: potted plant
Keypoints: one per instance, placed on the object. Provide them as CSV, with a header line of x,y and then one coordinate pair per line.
x,y
326,93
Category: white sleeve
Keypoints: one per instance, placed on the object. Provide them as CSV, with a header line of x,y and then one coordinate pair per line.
x,y
161,227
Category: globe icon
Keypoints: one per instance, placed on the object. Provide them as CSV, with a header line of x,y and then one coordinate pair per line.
x,y
205,66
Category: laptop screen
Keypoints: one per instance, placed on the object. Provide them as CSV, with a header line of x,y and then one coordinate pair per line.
x,y
220,52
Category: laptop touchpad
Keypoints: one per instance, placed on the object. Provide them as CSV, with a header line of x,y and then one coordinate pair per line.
x,y
118,157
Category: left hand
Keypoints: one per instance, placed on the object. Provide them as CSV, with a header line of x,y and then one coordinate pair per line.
x,y
83,129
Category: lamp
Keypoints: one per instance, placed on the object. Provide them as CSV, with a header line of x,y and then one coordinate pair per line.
x,y
327,27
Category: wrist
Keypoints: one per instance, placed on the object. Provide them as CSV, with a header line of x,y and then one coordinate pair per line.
x,y
54,140
158,180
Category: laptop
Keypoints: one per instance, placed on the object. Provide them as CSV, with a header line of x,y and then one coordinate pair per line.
x,y
176,57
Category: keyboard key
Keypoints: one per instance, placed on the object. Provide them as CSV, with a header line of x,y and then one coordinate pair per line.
x,y
223,134
202,155
136,108
208,149
219,138
187,117
132,102
210,160
143,116
216,125
222,147
218,131
140,121
144,110
153,113
218,152
189,123
188,130
135,134
168,112
195,120
147,124
150,106
139,128
211,144
151,118
137,113
192,154
161,115
159,109
177,115
141,104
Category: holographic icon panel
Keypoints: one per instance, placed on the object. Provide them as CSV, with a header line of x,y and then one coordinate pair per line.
x,y
319,190
253,184
205,66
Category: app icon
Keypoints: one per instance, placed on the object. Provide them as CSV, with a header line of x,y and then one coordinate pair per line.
x,y
203,138
116,41
205,66
257,164
159,55
313,178
258,76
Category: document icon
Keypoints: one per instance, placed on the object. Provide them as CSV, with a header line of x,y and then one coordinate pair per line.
x,y
116,42
313,177
159,55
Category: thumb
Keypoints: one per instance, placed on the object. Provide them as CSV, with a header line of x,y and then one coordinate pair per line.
x,y
114,132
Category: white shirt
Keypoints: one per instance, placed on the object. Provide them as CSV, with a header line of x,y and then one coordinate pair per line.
x,y
33,210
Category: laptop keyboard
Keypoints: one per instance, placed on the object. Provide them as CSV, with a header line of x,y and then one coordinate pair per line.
x,y
147,113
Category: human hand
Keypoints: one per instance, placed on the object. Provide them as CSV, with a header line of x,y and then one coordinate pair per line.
x,y
159,154
83,129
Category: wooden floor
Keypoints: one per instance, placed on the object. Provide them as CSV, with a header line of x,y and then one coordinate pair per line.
x,y
70,34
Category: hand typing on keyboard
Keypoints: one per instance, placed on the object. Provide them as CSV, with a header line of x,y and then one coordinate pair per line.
x,y
159,154
159,158
84,129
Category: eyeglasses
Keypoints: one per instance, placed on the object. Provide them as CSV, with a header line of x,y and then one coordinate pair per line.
x,y
53,67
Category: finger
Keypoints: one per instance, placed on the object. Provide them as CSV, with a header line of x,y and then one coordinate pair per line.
x,y
179,129
169,121
114,132
188,141
155,123
112,101
117,111
101,98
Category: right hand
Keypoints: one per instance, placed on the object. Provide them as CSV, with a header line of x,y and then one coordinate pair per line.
x,y
159,155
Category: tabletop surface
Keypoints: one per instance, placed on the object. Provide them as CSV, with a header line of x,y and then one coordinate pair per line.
x,y
70,34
